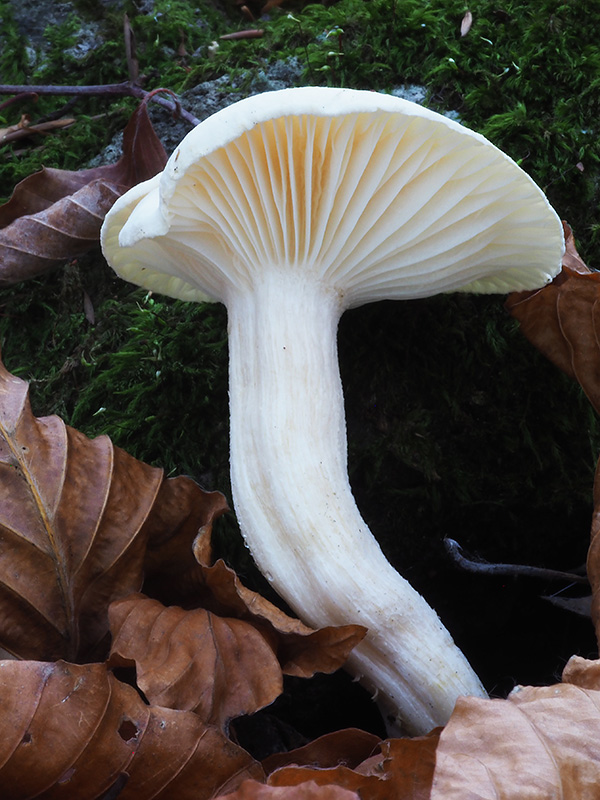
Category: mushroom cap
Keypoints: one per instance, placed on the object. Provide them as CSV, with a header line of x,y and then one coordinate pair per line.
x,y
375,196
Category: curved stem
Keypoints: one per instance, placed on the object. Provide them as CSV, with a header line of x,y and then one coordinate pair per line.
x,y
296,510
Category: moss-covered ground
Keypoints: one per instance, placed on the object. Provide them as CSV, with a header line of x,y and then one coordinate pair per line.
x,y
456,425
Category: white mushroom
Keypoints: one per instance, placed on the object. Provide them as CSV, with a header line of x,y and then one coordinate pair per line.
x,y
290,207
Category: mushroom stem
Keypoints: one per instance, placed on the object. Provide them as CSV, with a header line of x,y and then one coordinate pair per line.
x,y
295,506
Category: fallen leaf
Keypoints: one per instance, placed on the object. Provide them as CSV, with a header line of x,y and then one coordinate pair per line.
x,y
404,769
54,215
301,650
194,660
180,525
251,790
544,741
69,730
349,747
367,787
75,515
563,320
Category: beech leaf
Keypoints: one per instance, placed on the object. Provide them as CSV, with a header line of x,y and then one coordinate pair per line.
x,y
55,215
541,742
251,790
349,747
404,769
563,320
69,730
180,526
194,660
301,650
73,513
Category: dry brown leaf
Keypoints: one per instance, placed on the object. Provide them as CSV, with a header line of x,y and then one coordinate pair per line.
x,y
300,650
404,769
348,747
180,526
194,660
582,672
562,320
72,514
75,516
55,215
367,787
68,730
251,790
540,743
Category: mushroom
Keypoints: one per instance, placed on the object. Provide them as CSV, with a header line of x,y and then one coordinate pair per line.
x,y
290,207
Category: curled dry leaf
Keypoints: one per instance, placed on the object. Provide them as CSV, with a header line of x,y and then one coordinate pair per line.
x,y
194,660
540,743
546,739
180,525
349,747
75,518
69,730
54,215
404,769
251,790
72,514
563,320
177,571
300,650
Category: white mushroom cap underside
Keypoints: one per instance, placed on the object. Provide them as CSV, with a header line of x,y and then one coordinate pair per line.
x,y
373,195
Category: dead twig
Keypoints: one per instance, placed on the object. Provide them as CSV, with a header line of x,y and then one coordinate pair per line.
x,y
484,567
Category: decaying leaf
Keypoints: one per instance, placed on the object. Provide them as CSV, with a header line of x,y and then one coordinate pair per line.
x,y
194,660
540,743
300,650
251,790
350,747
403,768
180,526
69,730
54,215
75,516
545,740
563,320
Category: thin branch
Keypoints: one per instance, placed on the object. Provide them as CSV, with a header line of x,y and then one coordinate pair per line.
x,y
125,89
484,567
